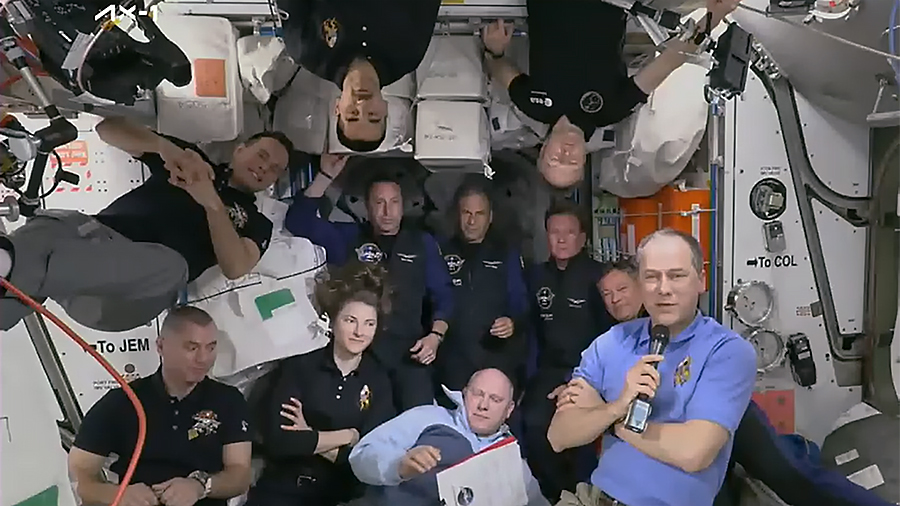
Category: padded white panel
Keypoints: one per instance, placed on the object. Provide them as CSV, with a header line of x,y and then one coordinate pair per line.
x,y
30,454
181,112
405,87
268,314
451,69
452,134
257,58
303,111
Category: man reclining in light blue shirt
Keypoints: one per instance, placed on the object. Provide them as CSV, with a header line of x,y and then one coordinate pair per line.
x,y
402,456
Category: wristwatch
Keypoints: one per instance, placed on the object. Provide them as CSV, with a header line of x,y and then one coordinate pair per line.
x,y
493,54
205,479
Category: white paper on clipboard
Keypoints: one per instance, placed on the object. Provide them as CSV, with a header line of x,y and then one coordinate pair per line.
x,y
491,477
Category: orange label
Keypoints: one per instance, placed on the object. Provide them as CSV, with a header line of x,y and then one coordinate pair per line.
x,y
779,407
209,78
73,153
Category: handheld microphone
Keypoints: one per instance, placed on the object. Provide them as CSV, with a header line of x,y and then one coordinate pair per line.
x,y
640,409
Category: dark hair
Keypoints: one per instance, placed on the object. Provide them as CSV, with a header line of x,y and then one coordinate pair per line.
x,y
380,177
179,316
565,207
360,146
354,282
470,186
278,136
625,264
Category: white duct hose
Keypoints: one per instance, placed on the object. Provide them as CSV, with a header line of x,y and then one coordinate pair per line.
x,y
268,314
654,145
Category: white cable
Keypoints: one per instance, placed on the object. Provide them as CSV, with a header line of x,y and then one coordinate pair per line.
x,y
820,32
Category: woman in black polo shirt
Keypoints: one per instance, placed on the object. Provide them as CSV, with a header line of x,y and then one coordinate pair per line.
x,y
322,402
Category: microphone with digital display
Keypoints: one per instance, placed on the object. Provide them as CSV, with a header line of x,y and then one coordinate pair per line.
x,y
640,409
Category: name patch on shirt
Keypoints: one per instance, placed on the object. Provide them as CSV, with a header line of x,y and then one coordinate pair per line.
x,y
330,29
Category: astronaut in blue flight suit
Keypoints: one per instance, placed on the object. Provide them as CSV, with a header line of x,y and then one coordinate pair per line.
x,y
416,271
700,392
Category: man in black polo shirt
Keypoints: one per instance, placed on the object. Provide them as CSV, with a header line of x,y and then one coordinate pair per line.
x,y
197,449
578,80
361,46
570,314
491,301
416,271
121,268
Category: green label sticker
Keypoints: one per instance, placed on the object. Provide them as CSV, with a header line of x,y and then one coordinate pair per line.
x,y
269,303
49,497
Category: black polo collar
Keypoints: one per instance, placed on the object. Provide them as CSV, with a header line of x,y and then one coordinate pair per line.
x,y
159,386
327,363
223,174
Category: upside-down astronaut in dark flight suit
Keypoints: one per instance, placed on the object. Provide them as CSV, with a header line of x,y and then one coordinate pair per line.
x,y
361,46
568,92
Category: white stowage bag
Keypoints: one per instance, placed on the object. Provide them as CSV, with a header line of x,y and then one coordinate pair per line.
x,y
257,60
452,135
268,314
451,70
304,109
655,144
211,107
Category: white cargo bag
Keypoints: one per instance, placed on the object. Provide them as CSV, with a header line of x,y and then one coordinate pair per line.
x,y
451,70
452,135
211,107
268,314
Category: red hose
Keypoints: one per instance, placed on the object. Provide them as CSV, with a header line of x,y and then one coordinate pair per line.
x,y
142,416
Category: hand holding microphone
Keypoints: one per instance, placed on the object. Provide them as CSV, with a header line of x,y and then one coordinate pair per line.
x,y
643,380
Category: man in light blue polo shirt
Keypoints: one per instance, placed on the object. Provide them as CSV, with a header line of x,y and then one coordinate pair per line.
x,y
700,392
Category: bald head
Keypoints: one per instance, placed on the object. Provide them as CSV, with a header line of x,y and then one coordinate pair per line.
x,y
488,399
494,378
